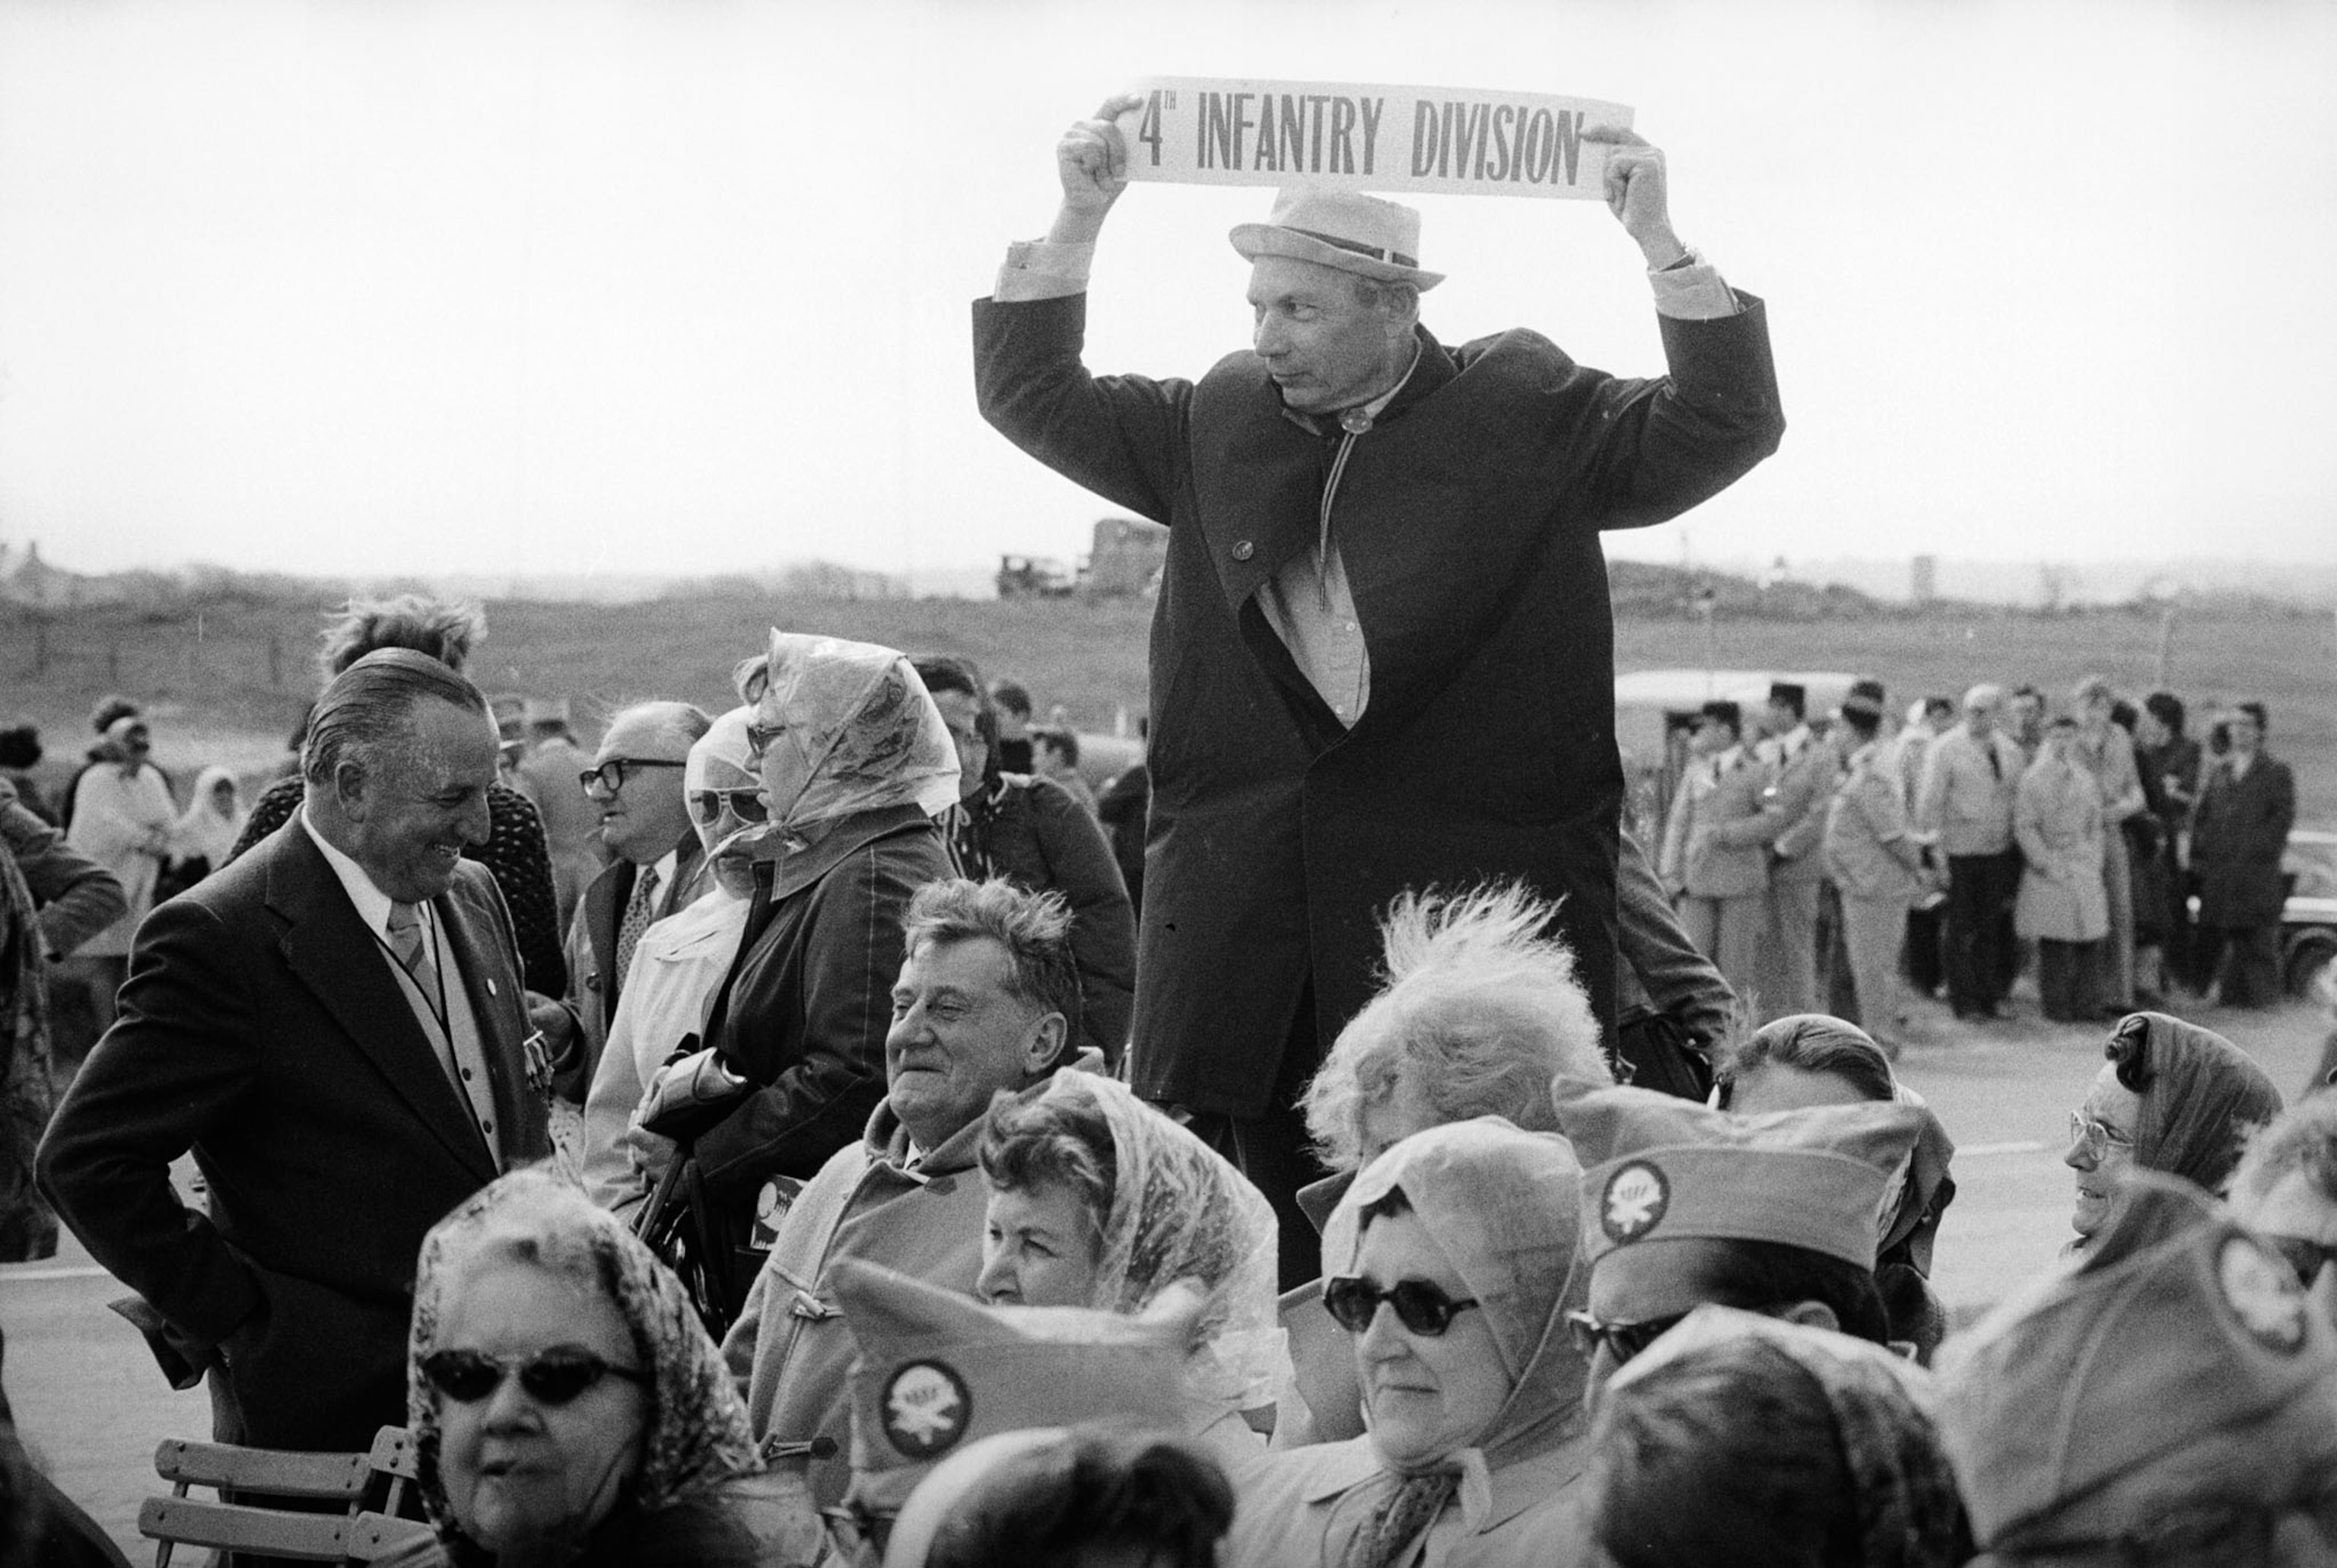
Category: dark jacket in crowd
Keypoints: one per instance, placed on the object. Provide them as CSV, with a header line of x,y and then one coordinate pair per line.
x,y
2238,830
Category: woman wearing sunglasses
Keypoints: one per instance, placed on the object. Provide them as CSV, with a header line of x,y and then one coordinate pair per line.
x,y
679,962
1451,1267
567,1408
2172,1097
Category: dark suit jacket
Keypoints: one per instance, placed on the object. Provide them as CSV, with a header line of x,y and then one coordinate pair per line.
x,y
262,1027
2238,832
1468,517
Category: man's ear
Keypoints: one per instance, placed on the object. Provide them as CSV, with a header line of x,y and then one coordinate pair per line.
x,y
351,789
1810,1315
1403,306
1042,1048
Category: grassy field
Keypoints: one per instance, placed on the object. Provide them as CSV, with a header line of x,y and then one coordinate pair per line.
x,y
226,682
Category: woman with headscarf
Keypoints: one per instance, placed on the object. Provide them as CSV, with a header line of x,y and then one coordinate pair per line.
x,y
675,970
205,837
1790,1447
1451,1265
855,763
566,1407
121,819
2172,1097
1098,1199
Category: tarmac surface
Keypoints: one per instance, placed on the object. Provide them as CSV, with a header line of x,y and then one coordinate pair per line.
x,y
91,1407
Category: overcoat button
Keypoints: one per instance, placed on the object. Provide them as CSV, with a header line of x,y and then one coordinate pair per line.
x,y
1244,550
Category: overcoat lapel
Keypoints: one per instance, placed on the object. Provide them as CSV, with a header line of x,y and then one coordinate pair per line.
x,y
330,951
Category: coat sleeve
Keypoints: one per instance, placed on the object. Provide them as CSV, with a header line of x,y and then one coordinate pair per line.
x,y
1659,448
834,1075
77,897
1678,979
1104,923
178,1063
1121,436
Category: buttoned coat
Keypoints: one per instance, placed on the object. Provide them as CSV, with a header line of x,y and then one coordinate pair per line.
x,y
1964,801
1468,520
262,1028
2238,832
1713,844
2057,820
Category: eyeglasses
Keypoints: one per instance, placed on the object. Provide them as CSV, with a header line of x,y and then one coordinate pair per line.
x,y
552,1376
1623,1340
747,805
2307,1256
2095,1138
1420,1306
610,775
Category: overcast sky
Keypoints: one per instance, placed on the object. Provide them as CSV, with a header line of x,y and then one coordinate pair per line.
x,y
682,286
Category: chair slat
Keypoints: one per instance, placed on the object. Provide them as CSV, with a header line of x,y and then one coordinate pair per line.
x,y
374,1536
274,1472
236,1527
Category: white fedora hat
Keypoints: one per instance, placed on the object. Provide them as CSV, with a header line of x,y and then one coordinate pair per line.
x,y
1347,229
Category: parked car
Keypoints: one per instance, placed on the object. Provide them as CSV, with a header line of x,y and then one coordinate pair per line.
x,y
2308,921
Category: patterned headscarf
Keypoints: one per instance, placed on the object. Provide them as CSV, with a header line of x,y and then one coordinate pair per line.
x,y
1179,1211
857,723
1903,1490
697,1434
2200,1092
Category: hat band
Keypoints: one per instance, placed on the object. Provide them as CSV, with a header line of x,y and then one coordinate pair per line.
x,y
1375,252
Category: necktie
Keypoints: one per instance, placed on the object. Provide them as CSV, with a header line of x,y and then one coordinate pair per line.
x,y
1995,768
636,921
1408,1511
411,944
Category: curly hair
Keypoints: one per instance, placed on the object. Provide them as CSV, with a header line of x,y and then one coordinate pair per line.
x,y
1034,1138
1479,1009
1035,929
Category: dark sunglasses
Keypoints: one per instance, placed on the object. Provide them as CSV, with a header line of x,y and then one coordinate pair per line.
x,y
2303,1254
1420,1306
610,775
1623,1340
747,805
551,1377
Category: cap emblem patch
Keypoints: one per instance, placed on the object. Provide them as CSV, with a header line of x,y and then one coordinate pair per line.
x,y
2262,1291
926,1408
1633,1202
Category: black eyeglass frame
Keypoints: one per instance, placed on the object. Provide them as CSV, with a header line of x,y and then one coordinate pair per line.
x,y
543,1376
1422,1306
610,775
1622,1339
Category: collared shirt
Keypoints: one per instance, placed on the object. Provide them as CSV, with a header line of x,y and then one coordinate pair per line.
x,y
1308,600
373,905
662,869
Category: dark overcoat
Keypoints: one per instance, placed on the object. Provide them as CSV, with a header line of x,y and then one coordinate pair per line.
x,y
2238,831
1468,519
262,1028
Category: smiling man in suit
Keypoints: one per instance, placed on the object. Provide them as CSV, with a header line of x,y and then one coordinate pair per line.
x,y
334,1025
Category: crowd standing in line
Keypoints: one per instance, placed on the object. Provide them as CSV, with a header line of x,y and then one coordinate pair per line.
x,y
1432,1180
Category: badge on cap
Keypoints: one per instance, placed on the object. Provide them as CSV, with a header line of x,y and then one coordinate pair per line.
x,y
926,1408
1634,1203
2263,1294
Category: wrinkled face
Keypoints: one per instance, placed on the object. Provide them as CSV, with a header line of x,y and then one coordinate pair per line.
x,y
646,818
1385,1122
959,1036
412,806
960,712
2118,1108
1427,1396
1041,1246
517,1471
1324,348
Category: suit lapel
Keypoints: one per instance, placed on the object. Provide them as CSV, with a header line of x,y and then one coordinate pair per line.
x,y
330,951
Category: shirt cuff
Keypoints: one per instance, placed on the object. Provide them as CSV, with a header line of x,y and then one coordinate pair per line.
x,y
1694,292
1043,269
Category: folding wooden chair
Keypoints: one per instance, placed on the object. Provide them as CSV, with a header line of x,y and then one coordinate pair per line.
x,y
364,1530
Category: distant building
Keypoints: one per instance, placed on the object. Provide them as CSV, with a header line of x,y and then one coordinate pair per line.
x,y
1125,559
1034,577
1923,580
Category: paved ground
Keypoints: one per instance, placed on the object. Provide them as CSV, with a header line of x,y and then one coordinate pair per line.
x,y
90,1403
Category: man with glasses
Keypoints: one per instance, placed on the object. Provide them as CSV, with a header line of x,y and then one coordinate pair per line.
x,y
656,866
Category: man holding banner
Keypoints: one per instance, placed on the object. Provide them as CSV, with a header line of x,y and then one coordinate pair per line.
x,y
1383,656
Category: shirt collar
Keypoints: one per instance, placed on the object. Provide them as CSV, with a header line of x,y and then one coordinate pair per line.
x,y
372,904
662,868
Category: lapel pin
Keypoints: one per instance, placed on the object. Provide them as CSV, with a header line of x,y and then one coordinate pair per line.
x,y
491,987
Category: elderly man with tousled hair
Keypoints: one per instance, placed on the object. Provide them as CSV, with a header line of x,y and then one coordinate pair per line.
x,y
1383,655
987,1002
334,1027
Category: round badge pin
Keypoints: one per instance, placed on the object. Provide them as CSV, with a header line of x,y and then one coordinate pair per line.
x,y
2263,1293
1633,1202
926,1408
